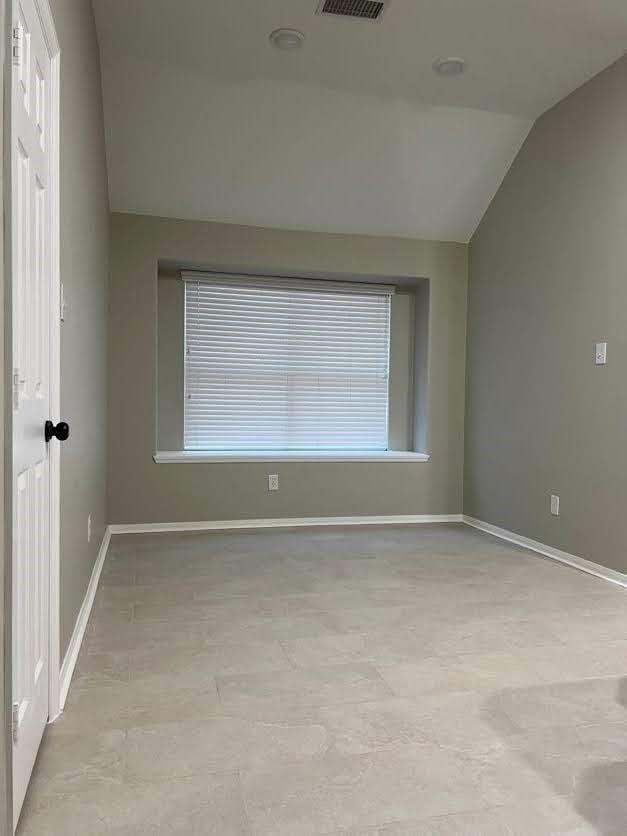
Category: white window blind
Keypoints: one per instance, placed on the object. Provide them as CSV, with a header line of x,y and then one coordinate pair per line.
x,y
285,364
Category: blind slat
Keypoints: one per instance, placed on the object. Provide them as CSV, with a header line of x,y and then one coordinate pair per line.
x,y
285,366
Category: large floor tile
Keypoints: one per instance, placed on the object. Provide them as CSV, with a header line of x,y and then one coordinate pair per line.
x,y
194,807
149,689
306,687
110,597
566,757
484,635
95,670
363,619
546,816
359,728
170,637
215,743
598,625
264,627
569,704
211,607
90,710
332,793
336,649
212,659
70,761
476,673
464,722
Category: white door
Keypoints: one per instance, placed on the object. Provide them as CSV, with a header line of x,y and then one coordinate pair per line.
x,y
32,283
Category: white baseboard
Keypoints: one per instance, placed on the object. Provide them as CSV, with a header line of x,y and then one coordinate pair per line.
x,y
548,551
71,657
283,522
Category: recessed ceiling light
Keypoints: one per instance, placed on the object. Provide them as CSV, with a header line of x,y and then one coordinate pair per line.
x,y
449,67
287,39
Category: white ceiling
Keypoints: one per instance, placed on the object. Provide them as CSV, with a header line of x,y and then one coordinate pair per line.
x,y
354,133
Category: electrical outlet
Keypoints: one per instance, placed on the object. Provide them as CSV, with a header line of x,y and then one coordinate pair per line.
x,y
555,505
600,354
89,529
273,481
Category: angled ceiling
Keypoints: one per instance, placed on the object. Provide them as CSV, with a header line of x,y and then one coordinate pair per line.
x,y
353,133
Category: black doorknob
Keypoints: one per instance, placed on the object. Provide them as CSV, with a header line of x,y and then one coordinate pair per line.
x,y
60,431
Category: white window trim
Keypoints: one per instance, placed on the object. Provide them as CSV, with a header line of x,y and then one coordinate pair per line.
x,y
194,456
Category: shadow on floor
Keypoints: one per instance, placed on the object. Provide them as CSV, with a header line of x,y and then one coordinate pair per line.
x,y
602,790
602,798
574,735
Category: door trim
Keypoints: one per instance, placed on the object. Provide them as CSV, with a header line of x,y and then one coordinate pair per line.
x,y
6,437
54,652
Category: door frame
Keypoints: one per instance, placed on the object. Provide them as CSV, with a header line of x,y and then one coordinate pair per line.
x,y
47,22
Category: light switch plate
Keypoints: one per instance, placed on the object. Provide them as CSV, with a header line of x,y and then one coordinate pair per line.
x,y
600,354
555,505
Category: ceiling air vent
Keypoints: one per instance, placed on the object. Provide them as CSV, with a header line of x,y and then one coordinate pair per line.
x,y
363,9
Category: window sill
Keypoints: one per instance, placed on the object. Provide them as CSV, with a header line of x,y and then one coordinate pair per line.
x,y
191,456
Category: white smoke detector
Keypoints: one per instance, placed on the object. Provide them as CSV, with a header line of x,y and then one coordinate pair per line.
x,y
287,39
449,67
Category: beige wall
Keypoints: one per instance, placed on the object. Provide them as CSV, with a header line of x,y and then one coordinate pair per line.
x,y
141,491
171,373
548,278
84,273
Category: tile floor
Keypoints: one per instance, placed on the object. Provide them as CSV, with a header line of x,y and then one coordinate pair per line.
x,y
398,680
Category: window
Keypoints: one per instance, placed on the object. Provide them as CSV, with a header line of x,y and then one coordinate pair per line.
x,y
274,364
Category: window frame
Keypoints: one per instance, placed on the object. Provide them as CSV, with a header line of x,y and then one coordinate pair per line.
x,y
325,285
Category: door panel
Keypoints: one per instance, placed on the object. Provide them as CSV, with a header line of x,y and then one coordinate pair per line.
x,y
31,390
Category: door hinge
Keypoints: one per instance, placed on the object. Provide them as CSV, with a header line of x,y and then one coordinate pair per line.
x,y
17,45
62,302
18,386
16,721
